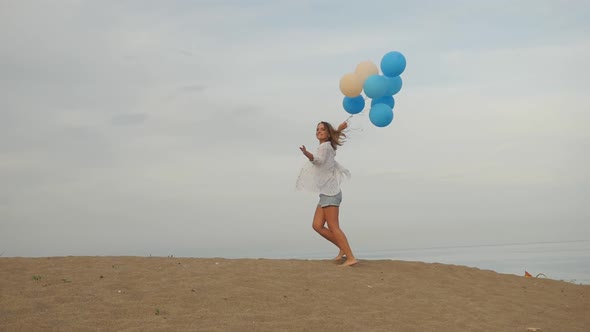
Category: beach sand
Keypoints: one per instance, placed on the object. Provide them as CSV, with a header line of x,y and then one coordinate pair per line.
x,y
192,294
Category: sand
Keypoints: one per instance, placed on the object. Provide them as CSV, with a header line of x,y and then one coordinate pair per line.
x,y
191,294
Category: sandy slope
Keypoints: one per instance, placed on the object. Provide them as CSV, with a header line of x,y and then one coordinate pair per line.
x,y
190,294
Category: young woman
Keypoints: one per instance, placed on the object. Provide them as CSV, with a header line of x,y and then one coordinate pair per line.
x,y
323,175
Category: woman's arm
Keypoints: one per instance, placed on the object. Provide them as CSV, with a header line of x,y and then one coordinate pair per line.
x,y
306,153
320,157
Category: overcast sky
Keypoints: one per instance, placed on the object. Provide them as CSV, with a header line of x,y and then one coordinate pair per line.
x,y
173,127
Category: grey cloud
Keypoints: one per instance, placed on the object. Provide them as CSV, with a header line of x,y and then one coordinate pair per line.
x,y
187,92
189,107
246,125
127,119
193,88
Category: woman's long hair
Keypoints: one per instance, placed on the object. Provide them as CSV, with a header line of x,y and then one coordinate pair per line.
x,y
335,137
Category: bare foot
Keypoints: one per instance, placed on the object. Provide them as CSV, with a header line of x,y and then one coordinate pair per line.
x,y
350,262
340,256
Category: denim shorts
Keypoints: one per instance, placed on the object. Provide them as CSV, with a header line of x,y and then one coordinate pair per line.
x,y
326,200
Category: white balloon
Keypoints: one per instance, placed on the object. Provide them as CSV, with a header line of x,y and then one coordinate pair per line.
x,y
365,69
351,85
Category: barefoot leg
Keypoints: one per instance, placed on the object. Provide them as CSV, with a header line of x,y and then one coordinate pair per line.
x,y
340,255
331,214
319,220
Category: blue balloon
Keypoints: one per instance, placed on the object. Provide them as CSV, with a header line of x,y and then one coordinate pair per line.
x,y
394,84
381,115
393,64
387,100
375,86
353,105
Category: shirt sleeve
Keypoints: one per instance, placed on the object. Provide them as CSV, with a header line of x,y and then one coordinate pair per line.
x,y
321,155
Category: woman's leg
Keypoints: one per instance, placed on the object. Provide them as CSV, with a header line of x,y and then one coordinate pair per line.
x,y
331,215
319,220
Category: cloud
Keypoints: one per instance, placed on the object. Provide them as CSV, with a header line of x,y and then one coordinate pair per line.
x,y
106,107
129,119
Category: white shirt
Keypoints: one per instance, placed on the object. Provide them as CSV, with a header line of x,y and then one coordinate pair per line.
x,y
324,174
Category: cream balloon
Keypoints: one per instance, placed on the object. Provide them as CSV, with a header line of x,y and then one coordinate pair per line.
x,y
366,69
351,85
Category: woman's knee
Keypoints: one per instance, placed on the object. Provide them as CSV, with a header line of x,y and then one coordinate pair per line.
x,y
317,226
334,228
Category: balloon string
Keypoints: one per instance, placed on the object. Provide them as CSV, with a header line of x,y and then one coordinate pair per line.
x,y
350,117
350,129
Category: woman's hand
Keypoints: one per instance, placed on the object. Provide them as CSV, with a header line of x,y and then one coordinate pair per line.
x,y
303,149
306,153
343,126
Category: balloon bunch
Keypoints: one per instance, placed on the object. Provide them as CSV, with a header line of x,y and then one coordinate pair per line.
x,y
380,88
